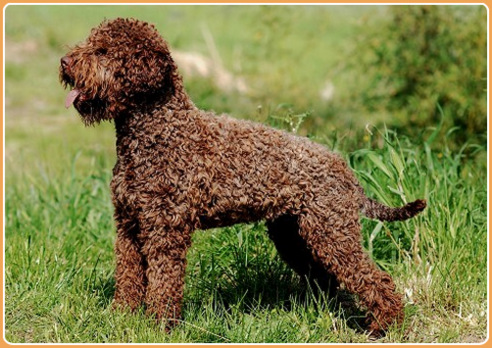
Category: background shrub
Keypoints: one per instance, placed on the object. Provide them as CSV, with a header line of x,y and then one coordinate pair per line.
x,y
421,58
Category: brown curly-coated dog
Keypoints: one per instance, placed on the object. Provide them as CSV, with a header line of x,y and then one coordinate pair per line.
x,y
180,169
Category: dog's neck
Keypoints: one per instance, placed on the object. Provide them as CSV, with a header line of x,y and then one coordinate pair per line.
x,y
158,116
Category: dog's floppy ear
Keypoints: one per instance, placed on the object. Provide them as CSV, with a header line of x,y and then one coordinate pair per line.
x,y
147,67
149,71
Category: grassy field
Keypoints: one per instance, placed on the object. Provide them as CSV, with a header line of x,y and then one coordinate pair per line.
x,y
59,230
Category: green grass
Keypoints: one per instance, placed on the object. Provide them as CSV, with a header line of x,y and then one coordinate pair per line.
x,y
59,229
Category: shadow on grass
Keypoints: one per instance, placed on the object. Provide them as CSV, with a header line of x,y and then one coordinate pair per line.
x,y
103,290
272,288
264,285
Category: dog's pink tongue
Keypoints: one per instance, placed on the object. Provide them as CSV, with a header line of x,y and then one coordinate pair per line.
x,y
71,97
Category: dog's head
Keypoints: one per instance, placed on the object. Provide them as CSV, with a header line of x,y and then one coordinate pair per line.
x,y
123,64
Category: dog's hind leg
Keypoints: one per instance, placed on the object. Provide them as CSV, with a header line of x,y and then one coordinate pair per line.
x,y
336,242
292,248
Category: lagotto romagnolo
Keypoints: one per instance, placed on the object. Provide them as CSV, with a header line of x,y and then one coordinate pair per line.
x,y
180,169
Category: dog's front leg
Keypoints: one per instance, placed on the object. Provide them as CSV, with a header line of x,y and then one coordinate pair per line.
x,y
164,248
130,265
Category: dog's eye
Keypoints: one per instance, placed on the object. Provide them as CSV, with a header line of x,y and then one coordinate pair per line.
x,y
101,51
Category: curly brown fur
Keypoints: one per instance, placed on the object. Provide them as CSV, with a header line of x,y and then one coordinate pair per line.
x,y
180,169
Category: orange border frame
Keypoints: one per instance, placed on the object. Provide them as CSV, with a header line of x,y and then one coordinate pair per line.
x,y
4,3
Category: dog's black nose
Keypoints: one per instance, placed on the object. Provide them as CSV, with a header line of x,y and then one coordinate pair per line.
x,y
65,62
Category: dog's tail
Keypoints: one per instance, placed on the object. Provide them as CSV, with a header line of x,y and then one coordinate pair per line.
x,y
375,210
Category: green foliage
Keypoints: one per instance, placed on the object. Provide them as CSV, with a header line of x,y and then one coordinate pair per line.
x,y
422,57
442,251
397,171
284,117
